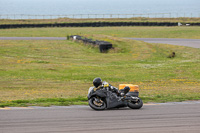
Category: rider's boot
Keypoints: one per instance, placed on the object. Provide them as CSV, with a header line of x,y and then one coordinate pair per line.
x,y
123,92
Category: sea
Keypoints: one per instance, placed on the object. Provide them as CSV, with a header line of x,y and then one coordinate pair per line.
x,y
174,8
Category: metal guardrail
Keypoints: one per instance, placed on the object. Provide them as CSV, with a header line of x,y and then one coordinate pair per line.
x,y
87,16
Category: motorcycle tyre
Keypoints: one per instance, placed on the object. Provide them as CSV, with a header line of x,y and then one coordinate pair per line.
x,y
95,107
135,106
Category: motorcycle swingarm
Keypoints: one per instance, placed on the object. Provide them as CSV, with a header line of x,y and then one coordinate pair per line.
x,y
131,98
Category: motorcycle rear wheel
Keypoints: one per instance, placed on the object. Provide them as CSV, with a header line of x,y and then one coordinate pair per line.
x,y
97,106
135,105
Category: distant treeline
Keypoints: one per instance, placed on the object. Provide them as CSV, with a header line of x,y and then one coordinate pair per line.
x,y
93,24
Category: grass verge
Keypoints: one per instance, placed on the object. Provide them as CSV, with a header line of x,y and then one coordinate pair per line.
x,y
68,20
44,72
46,102
137,32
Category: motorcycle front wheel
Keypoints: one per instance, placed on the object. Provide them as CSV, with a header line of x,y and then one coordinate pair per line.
x,y
97,103
135,105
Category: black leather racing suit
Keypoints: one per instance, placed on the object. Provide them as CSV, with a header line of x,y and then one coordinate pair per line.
x,y
115,90
110,87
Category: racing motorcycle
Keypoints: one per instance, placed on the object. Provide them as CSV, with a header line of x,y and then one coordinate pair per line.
x,y
100,99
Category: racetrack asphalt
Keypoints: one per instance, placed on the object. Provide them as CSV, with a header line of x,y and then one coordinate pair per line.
x,y
195,43
180,117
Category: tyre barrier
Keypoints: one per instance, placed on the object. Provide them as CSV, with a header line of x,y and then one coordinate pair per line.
x,y
103,45
93,24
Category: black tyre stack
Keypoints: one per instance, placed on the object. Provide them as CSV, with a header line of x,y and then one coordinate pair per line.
x,y
103,45
92,24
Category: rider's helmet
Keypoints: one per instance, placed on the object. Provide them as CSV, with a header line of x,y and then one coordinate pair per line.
x,y
97,82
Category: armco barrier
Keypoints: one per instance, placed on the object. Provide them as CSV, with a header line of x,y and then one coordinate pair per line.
x,y
103,45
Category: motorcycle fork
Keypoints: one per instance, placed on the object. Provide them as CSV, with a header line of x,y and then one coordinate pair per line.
x,y
97,99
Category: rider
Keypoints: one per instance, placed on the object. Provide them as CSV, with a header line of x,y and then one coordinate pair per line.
x,y
97,82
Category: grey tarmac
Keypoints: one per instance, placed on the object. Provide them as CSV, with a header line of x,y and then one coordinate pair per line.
x,y
180,117
195,43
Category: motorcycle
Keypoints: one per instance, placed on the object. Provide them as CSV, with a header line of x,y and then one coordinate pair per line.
x,y
100,99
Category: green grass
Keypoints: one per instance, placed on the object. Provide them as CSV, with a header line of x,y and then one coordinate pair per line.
x,y
68,20
137,32
42,72
45,102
